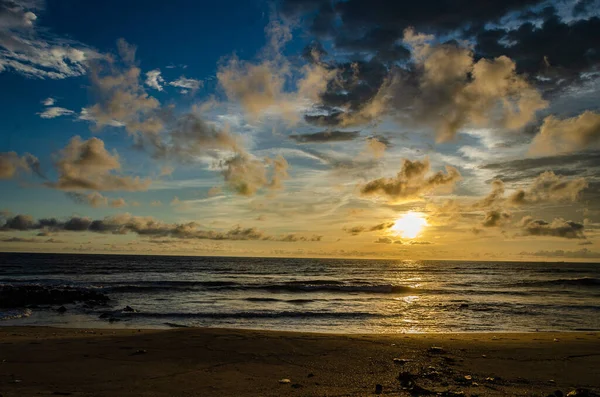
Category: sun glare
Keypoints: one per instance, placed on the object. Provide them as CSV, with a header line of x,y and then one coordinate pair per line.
x,y
410,224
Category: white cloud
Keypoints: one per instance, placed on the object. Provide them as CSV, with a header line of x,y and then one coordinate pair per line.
x,y
24,51
186,84
154,79
49,101
55,111
85,115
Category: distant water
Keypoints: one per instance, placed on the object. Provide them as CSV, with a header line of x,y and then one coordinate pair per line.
x,y
324,295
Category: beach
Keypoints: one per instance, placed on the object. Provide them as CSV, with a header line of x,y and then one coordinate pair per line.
x,y
229,362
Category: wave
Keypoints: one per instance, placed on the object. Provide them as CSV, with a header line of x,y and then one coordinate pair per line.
x,y
14,314
295,301
577,282
251,315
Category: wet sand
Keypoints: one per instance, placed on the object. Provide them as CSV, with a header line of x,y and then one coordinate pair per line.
x,y
42,361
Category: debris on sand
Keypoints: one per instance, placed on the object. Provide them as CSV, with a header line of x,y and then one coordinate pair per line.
x,y
284,381
581,392
436,350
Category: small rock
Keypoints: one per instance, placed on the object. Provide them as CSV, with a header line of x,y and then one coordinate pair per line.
x,y
140,351
436,349
128,309
484,355
284,381
296,386
61,309
468,377
406,379
104,315
113,319
401,361
310,375
378,389
490,379
464,305
558,393
555,339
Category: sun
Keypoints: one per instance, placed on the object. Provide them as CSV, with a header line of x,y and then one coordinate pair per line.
x,y
410,224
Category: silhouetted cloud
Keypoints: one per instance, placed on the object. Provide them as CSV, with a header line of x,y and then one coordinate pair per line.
x,y
326,136
413,180
143,226
356,230
557,228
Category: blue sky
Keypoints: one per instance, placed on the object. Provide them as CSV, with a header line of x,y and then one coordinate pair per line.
x,y
300,128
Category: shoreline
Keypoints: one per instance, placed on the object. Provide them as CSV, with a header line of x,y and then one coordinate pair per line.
x,y
235,362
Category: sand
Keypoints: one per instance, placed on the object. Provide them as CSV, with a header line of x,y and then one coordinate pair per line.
x,y
42,361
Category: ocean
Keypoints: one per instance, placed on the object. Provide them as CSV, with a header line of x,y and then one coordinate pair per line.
x,y
318,295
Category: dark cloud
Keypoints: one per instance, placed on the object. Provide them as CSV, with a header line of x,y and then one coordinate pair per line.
x,y
326,136
582,253
356,230
142,226
370,19
495,218
557,228
554,49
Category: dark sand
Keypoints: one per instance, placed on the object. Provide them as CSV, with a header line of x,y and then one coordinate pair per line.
x,y
38,361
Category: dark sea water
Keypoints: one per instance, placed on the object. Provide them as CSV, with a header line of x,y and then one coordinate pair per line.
x,y
324,295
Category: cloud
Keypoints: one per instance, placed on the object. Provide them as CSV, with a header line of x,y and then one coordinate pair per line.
x,y
496,196
154,79
245,175
181,138
87,165
261,87
187,84
412,181
144,227
120,98
554,48
573,134
549,187
495,218
49,101
557,228
326,136
11,164
55,111
582,253
35,52
118,203
96,200
376,146
455,91
356,230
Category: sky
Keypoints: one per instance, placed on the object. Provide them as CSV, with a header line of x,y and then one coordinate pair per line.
x,y
302,128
